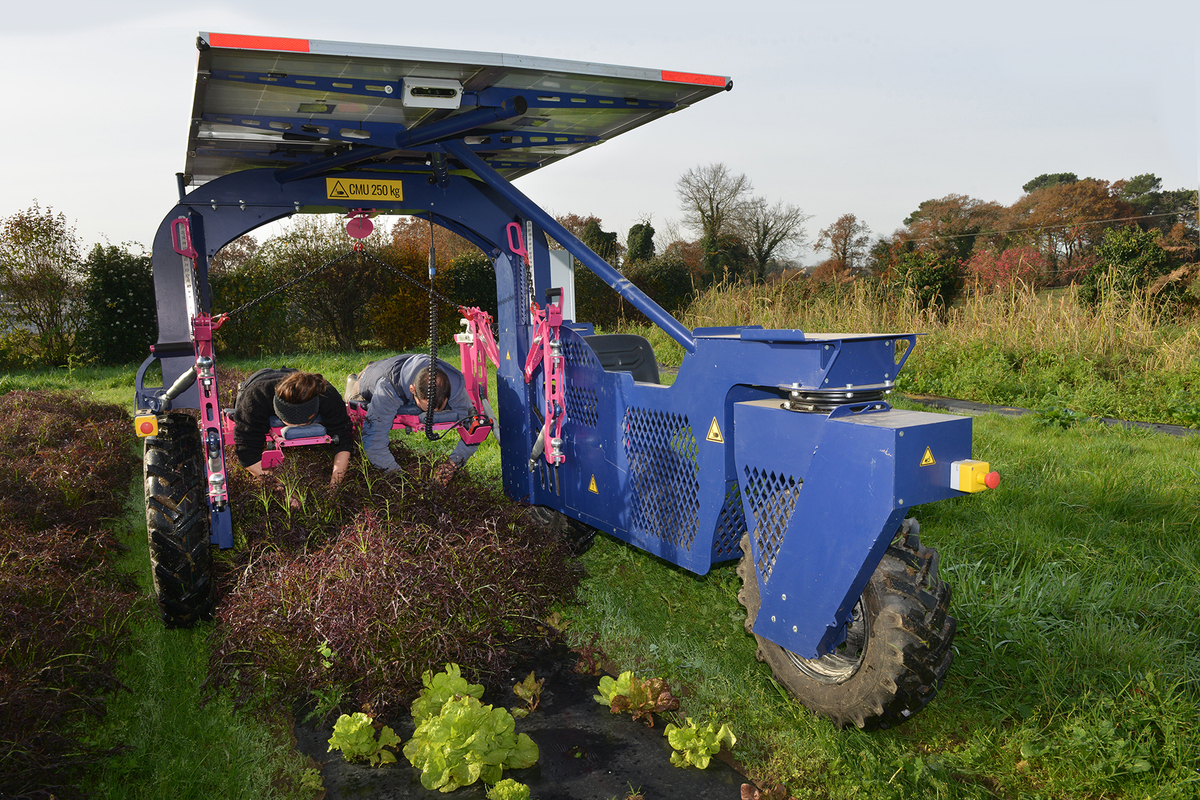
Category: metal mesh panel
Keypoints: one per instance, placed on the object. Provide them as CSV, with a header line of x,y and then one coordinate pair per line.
x,y
581,405
772,500
661,449
576,353
731,525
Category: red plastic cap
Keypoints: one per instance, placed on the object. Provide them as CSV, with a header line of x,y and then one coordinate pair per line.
x,y
992,480
242,42
692,77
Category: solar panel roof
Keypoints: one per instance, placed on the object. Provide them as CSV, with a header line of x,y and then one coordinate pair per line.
x,y
310,104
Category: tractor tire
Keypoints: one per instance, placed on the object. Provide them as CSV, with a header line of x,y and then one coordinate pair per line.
x,y
579,536
897,651
177,522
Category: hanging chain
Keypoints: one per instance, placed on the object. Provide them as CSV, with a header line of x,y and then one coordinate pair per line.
x,y
405,276
363,254
529,274
285,286
431,385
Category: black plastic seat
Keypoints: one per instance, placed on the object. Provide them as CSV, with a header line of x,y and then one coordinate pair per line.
x,y
625,352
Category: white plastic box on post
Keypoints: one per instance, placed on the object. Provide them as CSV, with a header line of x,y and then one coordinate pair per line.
x,y
562,274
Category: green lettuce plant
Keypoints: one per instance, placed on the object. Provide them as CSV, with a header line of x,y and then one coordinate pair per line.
x,y
465,742
440,687
641,698
508,789
695,745
354,735
610,688
530,691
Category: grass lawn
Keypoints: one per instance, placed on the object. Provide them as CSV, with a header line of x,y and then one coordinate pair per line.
x,y
1077,668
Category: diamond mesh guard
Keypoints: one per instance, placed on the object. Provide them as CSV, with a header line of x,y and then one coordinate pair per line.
x,y
661,449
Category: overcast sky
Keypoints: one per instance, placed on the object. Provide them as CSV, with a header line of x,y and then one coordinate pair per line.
x,y
838,107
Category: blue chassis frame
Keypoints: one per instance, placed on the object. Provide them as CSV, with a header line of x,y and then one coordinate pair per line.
x,y
682,471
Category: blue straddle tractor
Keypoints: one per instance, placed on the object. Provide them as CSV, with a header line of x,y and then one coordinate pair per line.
x,y
774,447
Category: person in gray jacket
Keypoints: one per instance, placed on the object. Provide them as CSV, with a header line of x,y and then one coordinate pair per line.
x,y
400,385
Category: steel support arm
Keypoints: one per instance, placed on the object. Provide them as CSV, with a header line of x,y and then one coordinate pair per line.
x,y
409,139
621,285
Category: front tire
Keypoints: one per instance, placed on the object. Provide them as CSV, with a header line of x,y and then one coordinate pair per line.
x,y
897,650
177,522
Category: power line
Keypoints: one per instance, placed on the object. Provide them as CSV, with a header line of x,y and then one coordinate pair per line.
x,y
1187,211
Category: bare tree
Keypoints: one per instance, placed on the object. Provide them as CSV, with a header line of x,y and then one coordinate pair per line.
x,y
771,232
668,232
713,199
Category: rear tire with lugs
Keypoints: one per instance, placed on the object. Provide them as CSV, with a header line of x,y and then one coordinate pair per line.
x,y
897,650
177,522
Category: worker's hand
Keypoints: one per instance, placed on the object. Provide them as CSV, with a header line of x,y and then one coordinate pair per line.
x,y
444,472
336,476
256,470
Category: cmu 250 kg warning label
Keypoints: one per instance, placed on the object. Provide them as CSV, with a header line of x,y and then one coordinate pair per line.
x,y
359,189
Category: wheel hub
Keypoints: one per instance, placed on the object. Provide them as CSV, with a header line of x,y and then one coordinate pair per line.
x,y
841,664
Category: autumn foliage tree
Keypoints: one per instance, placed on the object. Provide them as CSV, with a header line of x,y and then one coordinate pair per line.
x,y
950,225
411,236
846,241
1064,220
1015,267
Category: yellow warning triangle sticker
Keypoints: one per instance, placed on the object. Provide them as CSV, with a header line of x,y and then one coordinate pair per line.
x,y
714,433
927,459
507,355
338,191
592,486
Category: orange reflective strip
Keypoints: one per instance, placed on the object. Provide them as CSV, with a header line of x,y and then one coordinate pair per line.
x,y
693,77
240,42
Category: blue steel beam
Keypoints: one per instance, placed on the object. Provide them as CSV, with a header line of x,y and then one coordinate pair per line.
x,y
550,99
461,123
516,140
622,286
382,89
408,139
312,83
377,133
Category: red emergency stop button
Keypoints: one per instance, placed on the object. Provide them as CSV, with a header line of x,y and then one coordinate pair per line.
x,y
146,425
970,475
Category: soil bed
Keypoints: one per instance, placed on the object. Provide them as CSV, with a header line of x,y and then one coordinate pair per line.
x,y
585,751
